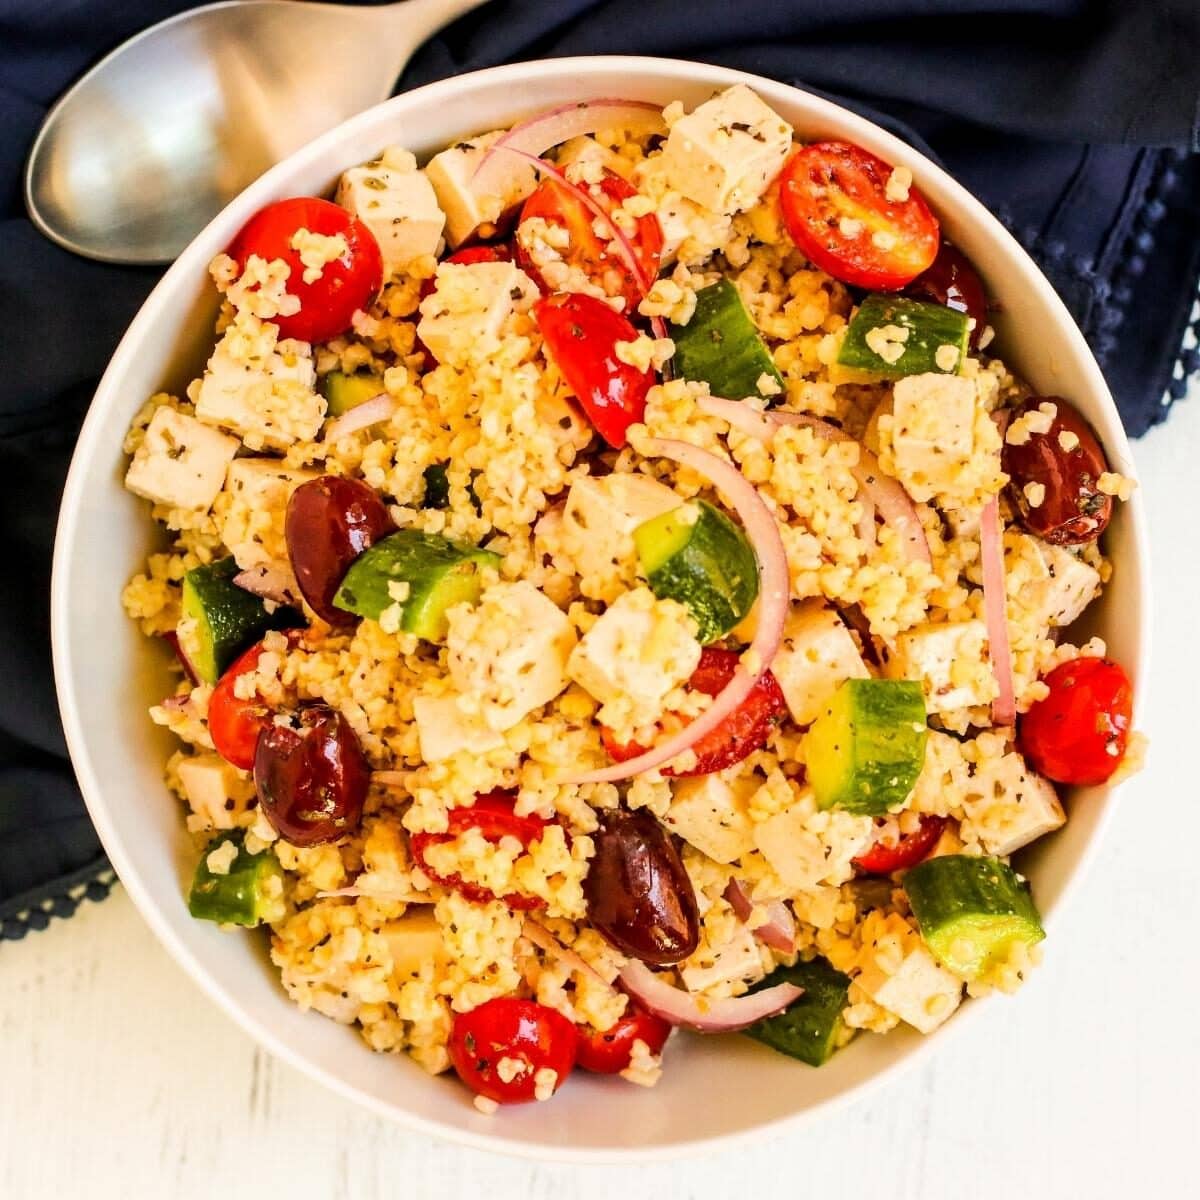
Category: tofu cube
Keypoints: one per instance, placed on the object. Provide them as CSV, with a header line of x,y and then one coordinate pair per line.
x,y
738,960
462,318
414,940
1066,586
181,461
951,662
920,991
725,153
710,814
444,729
261,389
1010,805
397,203
800,858
509,653
450,174
214,790
251,514
817,656
932,432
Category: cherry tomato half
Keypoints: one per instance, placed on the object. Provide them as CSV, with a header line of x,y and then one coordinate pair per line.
x,y
954,282
346,284
581,334
836,208
609,1053
740,734
233,723
492,814
911,849
595,256
530,1036
1078,733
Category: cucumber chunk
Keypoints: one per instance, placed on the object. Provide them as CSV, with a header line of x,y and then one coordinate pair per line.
x,y
439,574
695,554
344,392
929,326
811,1028
721,347
220,619
971,911
245,895
865,751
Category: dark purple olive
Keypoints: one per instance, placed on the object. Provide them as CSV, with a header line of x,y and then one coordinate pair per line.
x,y
952,280
330,522
639,896
1073,509
311,775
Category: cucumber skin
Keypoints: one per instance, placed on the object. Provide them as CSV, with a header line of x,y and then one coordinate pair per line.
x,y
959,897
344,392
730,362
709,567
233,899
807,1029
931,326
867,749
228,619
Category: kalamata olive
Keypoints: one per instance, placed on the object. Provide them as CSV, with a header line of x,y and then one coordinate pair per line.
x,y
639,896
1064,464
330,522
954,282
311,775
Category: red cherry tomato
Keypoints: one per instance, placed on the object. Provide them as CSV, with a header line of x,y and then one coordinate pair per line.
x,y
745,730
596,257
346,284
581,334
954,282
492,814
530,1036
233,723
835,206
609,1052
1078,733
911,849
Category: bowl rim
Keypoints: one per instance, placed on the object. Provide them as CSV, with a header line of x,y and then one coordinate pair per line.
x,y
970,209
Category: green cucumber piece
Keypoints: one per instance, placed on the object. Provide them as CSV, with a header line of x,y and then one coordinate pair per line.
x,y
695,554
221,620
439,573
971,911
865,751
720,346
930,327
810,1028
343,392
243,896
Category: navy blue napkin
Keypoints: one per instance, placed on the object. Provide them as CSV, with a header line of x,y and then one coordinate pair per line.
x,y
1076,121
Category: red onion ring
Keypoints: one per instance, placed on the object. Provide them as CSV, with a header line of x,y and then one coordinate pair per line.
x,y
779,929
678,1007
361,416
774,593
995,605
172,639
271,581
545,940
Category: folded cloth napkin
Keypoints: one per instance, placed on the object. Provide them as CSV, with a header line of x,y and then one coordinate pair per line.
x,y
1076,121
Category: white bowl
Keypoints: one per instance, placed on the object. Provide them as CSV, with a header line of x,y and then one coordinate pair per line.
x,y
107,673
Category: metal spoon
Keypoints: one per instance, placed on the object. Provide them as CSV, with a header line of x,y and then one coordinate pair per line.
x,y
153,141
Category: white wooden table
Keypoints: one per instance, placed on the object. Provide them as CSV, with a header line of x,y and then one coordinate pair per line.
x,y
119,1079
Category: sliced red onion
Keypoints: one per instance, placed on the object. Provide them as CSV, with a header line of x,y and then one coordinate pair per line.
x,y
361,416
494,174
541,937
172,639
779,929
272,581
774,592
678,1007
179,703
995,605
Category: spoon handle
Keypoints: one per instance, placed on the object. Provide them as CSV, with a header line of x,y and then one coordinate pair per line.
x,y
410,22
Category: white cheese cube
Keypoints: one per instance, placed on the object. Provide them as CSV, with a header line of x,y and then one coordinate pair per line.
x,y
738,960
398,205
920,991
414,940
450,175
933,431
251,513
181,461
817,656
261,389
711,815
791,842
725,153
214,789
509,652
951,662
462,318
1067,585
444,729
1009,805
